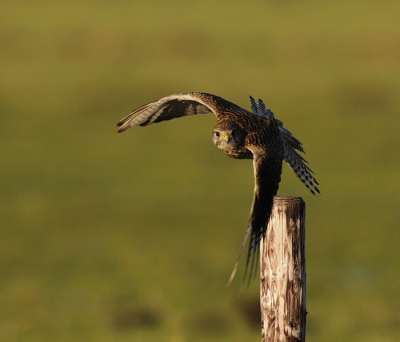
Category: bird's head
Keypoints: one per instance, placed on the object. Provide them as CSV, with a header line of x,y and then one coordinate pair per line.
x,y
228,135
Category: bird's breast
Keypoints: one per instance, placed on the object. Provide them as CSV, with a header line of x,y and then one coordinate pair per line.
x,y
237,153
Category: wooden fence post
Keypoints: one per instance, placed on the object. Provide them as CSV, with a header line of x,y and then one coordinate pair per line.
x,y
283,273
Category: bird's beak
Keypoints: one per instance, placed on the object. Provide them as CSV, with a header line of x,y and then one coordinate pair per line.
x,y
226,137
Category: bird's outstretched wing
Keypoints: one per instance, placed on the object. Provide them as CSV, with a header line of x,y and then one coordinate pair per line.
x,y
290,144
300,168
267,174
175,106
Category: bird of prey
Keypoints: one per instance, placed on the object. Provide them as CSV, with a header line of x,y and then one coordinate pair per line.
x,y
256,135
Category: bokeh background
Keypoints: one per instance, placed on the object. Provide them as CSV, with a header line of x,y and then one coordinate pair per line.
x,y
132,237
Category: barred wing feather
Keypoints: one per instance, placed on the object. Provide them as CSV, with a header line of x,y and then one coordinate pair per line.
x,y
290,144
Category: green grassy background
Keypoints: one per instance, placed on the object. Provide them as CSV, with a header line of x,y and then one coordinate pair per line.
x,y
132,237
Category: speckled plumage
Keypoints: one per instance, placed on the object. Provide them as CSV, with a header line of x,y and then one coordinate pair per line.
x,y
290,144
239,134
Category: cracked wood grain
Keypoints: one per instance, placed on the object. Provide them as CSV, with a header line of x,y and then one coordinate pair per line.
x,y
283,275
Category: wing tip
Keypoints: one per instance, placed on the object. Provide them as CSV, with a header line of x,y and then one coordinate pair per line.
x,y
122,128
232,274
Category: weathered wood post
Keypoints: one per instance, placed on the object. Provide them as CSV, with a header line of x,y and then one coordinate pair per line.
x,y
283,273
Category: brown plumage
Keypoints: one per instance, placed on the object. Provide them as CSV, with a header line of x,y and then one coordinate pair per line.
x,y
239,134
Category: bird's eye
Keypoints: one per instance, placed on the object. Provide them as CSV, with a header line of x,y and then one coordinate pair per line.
x,y
217,134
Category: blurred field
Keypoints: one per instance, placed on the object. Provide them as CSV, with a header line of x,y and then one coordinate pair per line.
x,y
132,237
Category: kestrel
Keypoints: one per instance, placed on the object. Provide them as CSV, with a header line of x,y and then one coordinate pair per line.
x,y
256,135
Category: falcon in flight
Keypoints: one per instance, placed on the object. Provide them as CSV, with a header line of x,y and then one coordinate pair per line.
x,y
256,135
